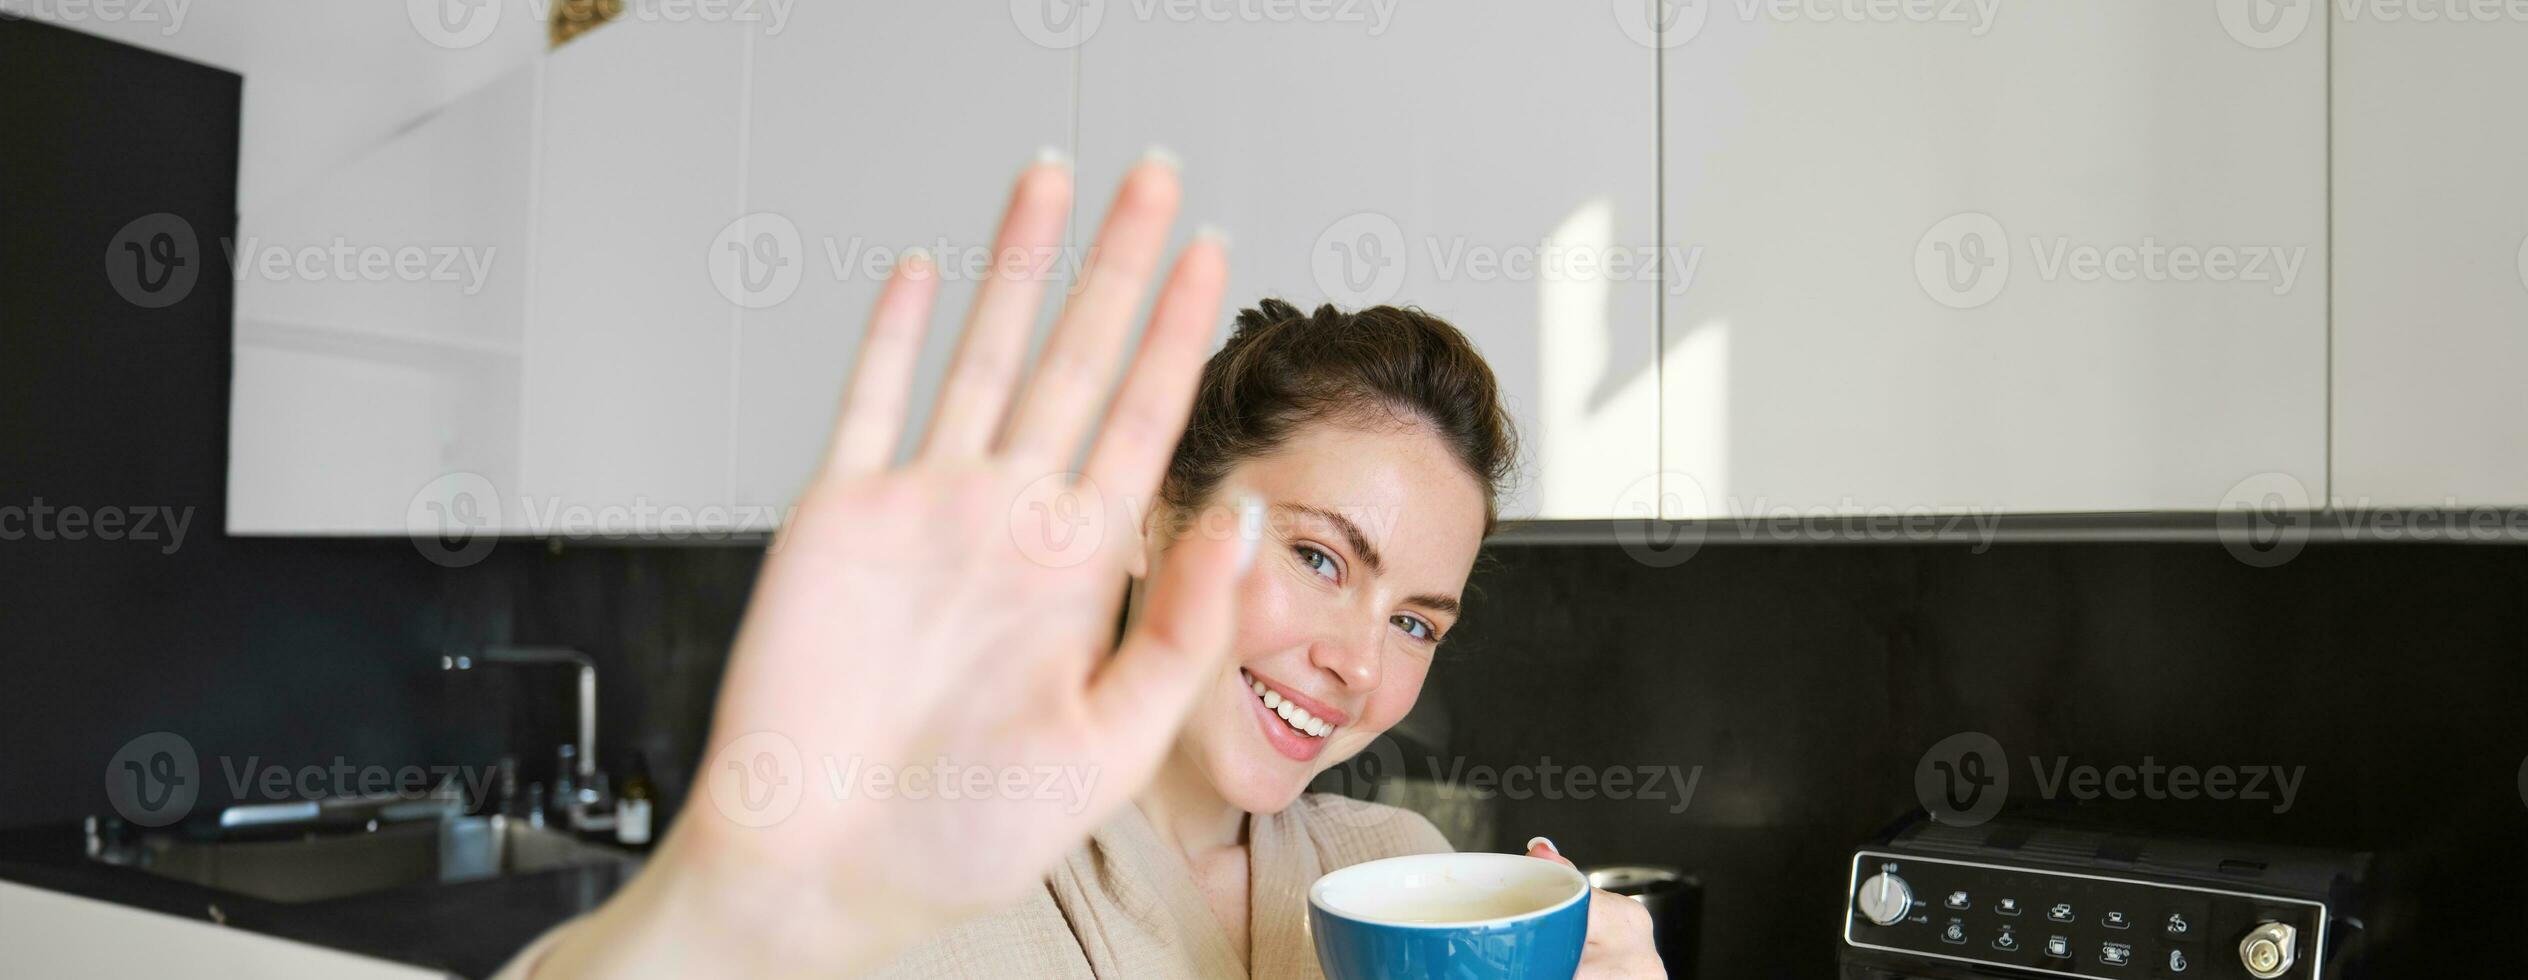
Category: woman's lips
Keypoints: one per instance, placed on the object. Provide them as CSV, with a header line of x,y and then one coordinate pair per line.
x,y
1279,731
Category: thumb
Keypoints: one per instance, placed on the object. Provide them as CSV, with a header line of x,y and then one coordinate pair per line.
x,y
1142,694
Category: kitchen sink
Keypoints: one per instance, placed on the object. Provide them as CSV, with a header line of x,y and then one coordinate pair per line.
x,y
333,864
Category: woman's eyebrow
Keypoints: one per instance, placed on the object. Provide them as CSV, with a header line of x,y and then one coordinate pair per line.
x,y
1441,603
1369,554
1351,533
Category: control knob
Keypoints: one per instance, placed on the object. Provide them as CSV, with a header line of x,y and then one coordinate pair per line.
x,y
1884,899
2269,950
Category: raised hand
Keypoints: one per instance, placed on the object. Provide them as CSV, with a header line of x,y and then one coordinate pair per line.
x,y
930,623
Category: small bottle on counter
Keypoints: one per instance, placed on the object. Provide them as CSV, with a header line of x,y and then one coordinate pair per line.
x,y
632,807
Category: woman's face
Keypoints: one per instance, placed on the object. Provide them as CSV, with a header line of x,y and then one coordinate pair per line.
x,y
1370,535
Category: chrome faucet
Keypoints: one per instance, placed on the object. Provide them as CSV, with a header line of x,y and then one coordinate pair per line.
x,y
585,765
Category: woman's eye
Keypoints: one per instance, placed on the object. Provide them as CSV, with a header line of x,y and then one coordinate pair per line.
x,y
1317,561
1415,628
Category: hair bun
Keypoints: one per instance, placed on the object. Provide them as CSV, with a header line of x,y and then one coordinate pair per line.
x,y
1266,314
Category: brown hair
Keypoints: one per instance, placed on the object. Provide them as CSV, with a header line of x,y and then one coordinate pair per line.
x,y
1281,370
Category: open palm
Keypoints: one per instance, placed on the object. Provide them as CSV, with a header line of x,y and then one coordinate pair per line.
x,y
926,705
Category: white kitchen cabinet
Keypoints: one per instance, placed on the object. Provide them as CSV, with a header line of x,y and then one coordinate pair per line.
x,y
875,128
381,315
572,372
2431,269
1492,163
2071,258
630,363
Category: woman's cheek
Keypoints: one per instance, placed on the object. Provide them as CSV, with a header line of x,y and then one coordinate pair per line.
x,y
1268,616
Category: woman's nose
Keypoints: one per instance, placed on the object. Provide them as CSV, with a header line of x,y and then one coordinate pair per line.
x,y
1351,655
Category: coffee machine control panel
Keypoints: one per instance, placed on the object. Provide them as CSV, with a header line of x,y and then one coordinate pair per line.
x,y
2071,924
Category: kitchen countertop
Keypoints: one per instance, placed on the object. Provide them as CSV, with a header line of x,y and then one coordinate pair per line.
x,y
469,928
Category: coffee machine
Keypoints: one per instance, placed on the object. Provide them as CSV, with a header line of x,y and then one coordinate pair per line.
x,y
2030,898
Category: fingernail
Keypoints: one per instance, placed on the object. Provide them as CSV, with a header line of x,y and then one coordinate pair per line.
x,y
1052,156
1212,232
1549,845
1250,530
1163,156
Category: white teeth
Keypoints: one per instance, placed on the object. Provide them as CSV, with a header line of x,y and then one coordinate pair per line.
x,y
1298,718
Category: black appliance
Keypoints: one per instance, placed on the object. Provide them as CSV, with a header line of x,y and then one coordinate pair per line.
x,y
2035,898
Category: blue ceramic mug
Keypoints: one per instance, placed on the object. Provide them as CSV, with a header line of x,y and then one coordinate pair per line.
x,y
1458,916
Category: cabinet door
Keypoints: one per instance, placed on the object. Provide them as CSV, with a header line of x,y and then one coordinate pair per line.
x,y
2041,257
631,351
2431,272
381,313
876,128
1490,162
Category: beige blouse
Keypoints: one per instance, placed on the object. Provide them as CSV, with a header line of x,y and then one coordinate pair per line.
x,y
1125,906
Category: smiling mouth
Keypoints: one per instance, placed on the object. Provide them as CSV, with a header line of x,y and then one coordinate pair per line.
x,y
1291,714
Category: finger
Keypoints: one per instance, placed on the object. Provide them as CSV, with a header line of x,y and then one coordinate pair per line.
x,y
976,390
1141,695
1079,359
1149,413
871,420
1540,847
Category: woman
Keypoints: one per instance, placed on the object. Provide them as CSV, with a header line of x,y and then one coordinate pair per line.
x,y
1316,522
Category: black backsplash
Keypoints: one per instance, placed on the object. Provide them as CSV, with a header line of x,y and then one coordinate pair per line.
x,y
1808,682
